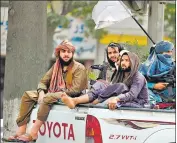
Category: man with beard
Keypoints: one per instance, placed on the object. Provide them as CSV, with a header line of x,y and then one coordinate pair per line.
x,y
128,88
65,76
112,52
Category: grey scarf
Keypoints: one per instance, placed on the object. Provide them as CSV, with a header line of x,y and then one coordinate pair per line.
x,y
120,75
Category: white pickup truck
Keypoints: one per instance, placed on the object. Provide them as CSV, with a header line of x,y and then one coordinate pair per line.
x,y
97,124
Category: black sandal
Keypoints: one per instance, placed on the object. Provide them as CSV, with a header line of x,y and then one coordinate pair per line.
x,y
11,139
26,138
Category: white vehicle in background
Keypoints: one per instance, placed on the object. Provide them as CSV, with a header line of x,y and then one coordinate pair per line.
x,y
97,124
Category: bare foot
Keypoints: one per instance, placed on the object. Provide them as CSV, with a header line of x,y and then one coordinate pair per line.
x,y
21,130
19,133
27,138
96,101
68,101
156,107
34,135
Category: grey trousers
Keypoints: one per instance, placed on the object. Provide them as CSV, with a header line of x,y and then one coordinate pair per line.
x,y
102,91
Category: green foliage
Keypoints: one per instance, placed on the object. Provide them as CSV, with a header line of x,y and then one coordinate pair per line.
x,y
53,20
78,4
97,34
141,51
83,8
92,75
77,9
170,18
85,12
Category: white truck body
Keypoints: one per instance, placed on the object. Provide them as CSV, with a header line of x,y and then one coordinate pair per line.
x,y
97,124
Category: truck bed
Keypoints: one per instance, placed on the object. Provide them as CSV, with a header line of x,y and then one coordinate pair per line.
x,y
89,123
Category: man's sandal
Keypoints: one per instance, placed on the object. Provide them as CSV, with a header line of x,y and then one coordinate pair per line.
x,y
26,138
11,138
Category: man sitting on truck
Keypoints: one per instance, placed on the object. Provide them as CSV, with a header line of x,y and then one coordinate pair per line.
x,y
159,70
128,88
113,52
66,75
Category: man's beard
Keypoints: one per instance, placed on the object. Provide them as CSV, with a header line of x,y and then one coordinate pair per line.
x,y
63,63
125,70
112,64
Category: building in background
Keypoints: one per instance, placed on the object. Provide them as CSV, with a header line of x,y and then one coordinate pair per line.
x,y
85,46
4,28
129,31
87,49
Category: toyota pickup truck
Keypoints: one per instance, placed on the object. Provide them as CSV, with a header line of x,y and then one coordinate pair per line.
x,y
97,124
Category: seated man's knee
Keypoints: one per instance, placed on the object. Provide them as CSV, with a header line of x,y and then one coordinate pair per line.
x,y
121,84
46,99
30,94
52,97
25,95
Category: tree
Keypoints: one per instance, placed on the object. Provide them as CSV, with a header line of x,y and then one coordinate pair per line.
x,y
170,24
77,9
84,11
25,57
53,20
141,51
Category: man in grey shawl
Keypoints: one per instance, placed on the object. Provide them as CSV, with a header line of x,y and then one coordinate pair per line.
x,y
128,87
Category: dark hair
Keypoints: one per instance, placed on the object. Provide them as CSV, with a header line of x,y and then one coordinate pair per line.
x,y
113,45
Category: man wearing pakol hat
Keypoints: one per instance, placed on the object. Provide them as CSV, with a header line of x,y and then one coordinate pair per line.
x,y
159,70
65,76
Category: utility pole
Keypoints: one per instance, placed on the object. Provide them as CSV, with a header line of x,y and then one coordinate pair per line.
x,y
156,21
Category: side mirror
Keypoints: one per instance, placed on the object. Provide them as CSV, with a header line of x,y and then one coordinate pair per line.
x,y
136,6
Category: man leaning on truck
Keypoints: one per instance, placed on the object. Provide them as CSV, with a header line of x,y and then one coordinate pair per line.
x,y
66,75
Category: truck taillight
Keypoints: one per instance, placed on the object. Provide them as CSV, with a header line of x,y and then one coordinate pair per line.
x,y
93,129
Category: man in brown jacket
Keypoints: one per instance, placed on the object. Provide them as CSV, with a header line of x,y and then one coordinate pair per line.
x,y
65,76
